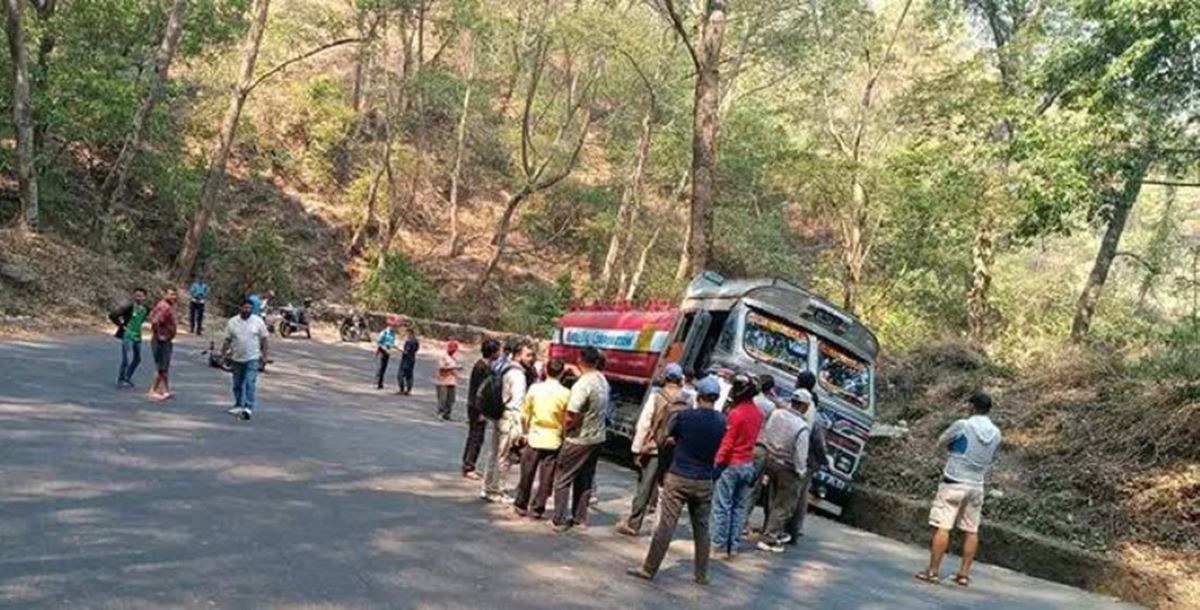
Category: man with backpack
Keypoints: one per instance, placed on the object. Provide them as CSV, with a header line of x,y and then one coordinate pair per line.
x,y
476,421
652,455
502,408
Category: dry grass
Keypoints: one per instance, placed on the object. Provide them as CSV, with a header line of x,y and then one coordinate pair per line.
x,y
1093,455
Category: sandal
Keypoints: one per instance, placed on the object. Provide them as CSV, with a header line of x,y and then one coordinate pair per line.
x,y
928,577
962,580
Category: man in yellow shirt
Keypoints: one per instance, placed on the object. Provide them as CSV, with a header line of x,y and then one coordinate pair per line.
x,y
543,413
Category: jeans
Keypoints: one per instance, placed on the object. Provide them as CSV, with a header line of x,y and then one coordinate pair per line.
x,y
505,432
404,376
730,505
537,463
131,357
383,364
652,476
196,317
476,428
785,488
245,379
676,492
573,482
445,400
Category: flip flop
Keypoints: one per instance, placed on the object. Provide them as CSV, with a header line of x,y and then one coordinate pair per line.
x,y
928,577
962,580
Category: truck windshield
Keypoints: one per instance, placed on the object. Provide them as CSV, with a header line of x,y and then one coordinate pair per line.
x,y
844,376
785,347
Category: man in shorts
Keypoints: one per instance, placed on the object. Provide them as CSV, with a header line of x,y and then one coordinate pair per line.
x,y
163,325
971,443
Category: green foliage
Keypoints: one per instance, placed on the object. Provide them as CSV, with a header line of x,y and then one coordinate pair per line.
x,y
534,309
258,262
397,286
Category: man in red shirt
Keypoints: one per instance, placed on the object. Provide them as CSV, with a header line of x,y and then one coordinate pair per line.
x,y
735,462
162,333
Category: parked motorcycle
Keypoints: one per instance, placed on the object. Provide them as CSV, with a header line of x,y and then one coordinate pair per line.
x,y
294,319
354,328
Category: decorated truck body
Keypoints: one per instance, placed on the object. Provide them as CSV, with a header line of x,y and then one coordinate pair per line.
x,y
758,326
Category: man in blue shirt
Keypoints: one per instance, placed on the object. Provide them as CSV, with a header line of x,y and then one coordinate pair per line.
x,y
199,294
696,435
383,350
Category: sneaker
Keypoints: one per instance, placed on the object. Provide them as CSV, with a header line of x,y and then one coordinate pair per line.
x,y
498,498
236,412
246,413
783,539
639,572
560,527
521,512
623,528
770,546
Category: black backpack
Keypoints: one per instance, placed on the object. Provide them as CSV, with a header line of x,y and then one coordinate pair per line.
x,y
490,394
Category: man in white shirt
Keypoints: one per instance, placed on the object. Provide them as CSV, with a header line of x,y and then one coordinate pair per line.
x,y
246,345
506,431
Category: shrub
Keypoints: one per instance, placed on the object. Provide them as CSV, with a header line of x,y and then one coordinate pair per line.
x,y
398,286
257,262
537,306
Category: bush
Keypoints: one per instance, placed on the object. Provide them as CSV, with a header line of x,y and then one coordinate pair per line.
x,y
256,263
398,286
537,306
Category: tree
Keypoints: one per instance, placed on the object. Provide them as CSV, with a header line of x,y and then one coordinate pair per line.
x,y
705,124
215,179
118,176
27,179
560,154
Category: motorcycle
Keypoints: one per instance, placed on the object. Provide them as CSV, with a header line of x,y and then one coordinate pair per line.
x,y
354,328
293,319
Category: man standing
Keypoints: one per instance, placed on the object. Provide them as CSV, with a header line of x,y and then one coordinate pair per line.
x,y
476,422
971,443
652,455
129,319
696,435
246,345
735,461
199,295
446,379
383,350
163,326
818,458
515,379
408,361
542,415
785,436
584,434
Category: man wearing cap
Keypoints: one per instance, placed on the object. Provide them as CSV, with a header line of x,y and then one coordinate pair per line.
x,y
785,436
694,435
648,444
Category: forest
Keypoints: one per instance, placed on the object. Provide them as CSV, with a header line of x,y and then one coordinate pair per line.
x,y
1006,191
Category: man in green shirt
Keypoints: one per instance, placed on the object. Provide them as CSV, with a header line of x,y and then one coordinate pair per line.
x,y
129,320
583,436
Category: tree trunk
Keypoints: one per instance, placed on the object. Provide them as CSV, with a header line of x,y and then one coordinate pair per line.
x,y
704,134
1123,203
22,115
636,280
501,237
681,271
630,198
117,180
983,255
455,247
215,180
1159,248
361,60
359,241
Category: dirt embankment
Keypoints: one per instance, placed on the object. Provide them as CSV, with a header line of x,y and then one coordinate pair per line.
x,y
1095,458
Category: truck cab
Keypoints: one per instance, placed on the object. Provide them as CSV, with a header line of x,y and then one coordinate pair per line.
x,y
756,326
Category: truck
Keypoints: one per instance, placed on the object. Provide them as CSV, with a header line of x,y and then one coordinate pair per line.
x,y
756,326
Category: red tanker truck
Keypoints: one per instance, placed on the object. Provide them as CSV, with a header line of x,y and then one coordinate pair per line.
x,y
758,326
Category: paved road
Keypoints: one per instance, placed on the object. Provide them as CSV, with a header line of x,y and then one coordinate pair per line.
x,y
337,495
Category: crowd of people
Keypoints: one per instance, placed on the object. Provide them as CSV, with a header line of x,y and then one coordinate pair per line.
x,y
719,447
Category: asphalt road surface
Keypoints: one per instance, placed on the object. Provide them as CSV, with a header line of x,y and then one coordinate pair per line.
x,y
337,495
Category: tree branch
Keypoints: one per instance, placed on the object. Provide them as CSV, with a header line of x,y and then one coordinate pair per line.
x,y
299,58
1172,183
677,24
